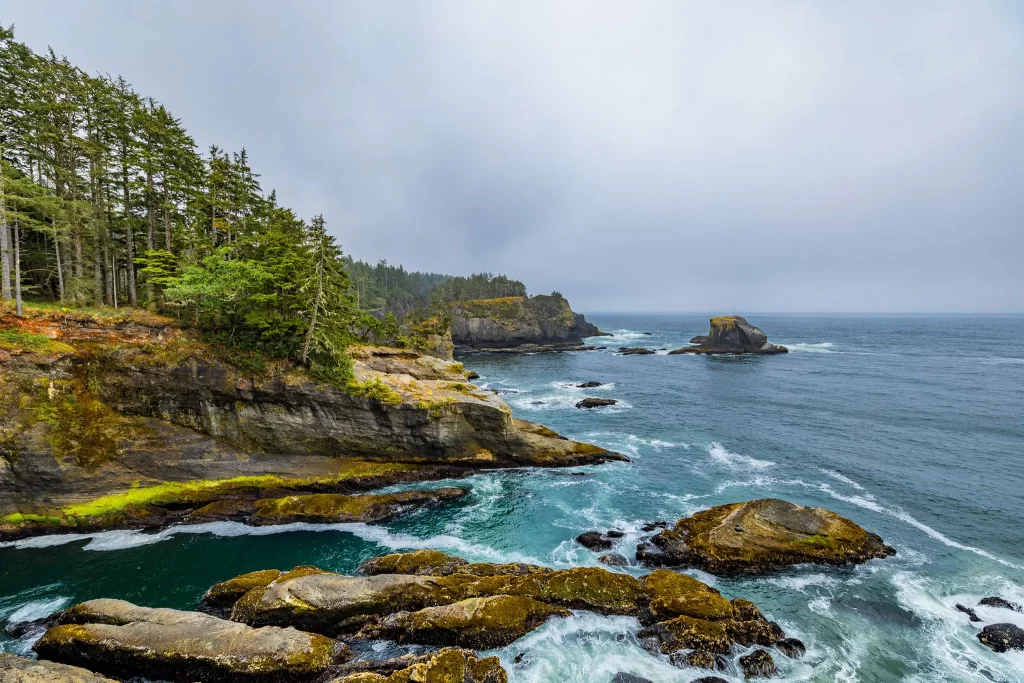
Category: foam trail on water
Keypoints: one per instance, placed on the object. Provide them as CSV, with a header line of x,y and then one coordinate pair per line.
x,y
822,347
841,477
37,609
735,461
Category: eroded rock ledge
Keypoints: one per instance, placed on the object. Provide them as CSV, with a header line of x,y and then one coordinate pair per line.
x,y
307,623
761,536
136,425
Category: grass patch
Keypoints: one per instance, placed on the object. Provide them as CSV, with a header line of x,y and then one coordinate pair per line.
x,y
375,389
16,340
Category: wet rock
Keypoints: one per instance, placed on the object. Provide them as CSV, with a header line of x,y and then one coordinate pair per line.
x,y
14,669
673,594
634,351
999,602
652,526
623,677
472,374
444,666
489,622
758,664
590,385
614,533
731,334
328,508
613,560
791,647
699,659
1002,637
595,540
596,402
774,534
709,679
968,611
421,562
122,640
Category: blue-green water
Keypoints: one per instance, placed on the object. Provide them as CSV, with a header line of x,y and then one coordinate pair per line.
x,y
913,427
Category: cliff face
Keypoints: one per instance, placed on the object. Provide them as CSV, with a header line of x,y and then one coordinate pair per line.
x,y
515,321
104,407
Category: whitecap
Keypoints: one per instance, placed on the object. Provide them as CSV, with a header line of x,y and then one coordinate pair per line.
x,y
821,347
841,477
802,583
735,461
37,609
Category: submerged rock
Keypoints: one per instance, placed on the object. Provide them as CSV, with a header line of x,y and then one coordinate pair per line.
x,y
761,536
971,615
596,402
488,622
14,669
613,560
635,351
731,334
595,540
999,602
758,664
623,677
590,385
1002,637
444,666
123,640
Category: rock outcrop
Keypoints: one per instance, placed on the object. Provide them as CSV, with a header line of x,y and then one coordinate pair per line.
x,y
596,402
731,334
428,597
14,669
761,536
136,425
510,322
123,640
444,666
1002,637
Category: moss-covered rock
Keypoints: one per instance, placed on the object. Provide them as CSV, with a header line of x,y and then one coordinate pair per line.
x,y
332,507
486,622
673,594
445,666
14,669
421,562
123,640
731,334
761,536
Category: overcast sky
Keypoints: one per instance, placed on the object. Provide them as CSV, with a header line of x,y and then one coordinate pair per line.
x,y
673,156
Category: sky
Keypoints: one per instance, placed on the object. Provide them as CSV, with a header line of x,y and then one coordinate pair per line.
x,y
716,157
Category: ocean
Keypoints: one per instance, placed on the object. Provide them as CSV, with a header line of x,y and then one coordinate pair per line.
x,y
911,426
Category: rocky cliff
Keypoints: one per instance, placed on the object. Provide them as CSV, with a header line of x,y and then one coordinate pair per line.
x,y
516,321
93,408
731,334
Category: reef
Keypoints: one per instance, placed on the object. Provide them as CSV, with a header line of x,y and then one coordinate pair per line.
x,y
761,536
519,324
731,334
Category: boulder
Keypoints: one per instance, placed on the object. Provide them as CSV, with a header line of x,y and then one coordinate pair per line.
x,y
791,647
731,334
444,666
123,640
1002,637
623,677
699,659
999,602
971,615
596,402
761,536
14,669
488,622
613,560
758,664
595,540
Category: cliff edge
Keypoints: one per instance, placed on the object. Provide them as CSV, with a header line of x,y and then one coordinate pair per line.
x,y
516,321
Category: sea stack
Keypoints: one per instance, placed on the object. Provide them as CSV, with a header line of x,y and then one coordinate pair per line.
x,y
732,334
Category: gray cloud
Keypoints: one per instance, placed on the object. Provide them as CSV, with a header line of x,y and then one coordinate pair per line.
x,y
654,156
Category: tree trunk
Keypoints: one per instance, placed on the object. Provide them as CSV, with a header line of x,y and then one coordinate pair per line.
x,y
150,229
5,236
129,242
17,268
167,218
60,267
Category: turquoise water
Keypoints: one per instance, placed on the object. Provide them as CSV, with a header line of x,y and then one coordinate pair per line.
x,y
913,427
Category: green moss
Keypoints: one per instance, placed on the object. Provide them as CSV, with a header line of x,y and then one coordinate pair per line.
x,y
16,340
503,308
376,389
